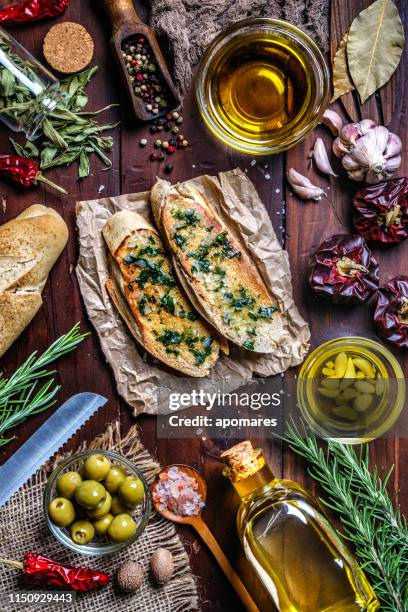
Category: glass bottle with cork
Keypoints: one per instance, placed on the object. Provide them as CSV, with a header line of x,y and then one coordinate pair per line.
x,y
290,544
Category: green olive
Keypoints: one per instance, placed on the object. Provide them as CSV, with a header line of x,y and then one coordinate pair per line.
x,y
102,525
89,494
61,511
114,479
97,466
102,508
118,507
67,483
82,532
122,528
131,491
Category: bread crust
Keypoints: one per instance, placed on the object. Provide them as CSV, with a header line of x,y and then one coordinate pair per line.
x,y
241,280
158,328
30,244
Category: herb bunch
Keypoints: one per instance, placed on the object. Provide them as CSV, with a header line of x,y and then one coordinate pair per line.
x,y
357,494
21,395
69,133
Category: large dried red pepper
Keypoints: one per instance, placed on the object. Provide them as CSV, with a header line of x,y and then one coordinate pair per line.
x,y
40,571
24,171
32,10
380,212
344,270
391,312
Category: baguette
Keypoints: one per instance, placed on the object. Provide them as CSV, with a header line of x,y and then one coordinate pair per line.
x,y
30,244
145,292
215,269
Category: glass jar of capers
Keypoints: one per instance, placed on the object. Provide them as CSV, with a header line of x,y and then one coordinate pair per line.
x,y
97,502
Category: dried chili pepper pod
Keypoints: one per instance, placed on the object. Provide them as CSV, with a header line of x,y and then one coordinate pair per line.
x,y
391,312
380,212
344,270
32,10
24,172
40,571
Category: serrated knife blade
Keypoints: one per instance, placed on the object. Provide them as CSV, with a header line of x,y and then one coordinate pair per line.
x,y
47,440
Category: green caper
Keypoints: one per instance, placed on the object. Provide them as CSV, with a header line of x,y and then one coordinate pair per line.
x,y
102,508
89,494
67,483
131,491
97,466
114,479
61,511
102,525
122,528
82,532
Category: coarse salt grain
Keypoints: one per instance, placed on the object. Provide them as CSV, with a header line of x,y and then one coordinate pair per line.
x,y
178,492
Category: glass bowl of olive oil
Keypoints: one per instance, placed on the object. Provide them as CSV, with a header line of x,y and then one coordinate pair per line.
x,y
351,390
262,85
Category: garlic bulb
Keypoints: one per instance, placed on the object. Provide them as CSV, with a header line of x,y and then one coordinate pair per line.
x,y
369,152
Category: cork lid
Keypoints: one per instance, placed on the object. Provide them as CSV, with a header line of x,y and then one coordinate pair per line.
x,y
68,47
242,461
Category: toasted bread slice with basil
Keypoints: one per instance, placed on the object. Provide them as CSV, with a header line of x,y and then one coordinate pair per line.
x,y
148,297
214,268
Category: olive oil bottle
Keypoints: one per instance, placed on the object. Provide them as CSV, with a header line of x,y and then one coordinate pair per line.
x,y
290,544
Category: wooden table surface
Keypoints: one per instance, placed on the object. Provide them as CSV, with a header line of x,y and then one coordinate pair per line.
x,y
300,226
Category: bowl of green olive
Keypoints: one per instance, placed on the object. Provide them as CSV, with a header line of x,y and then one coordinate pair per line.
x,y
97,502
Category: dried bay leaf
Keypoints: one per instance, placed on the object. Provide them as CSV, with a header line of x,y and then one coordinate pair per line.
x,y
374,47
342,82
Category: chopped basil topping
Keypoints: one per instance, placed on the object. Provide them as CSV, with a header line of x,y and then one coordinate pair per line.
x,y
180,240
263,313
192,316
142,305
153,273
169,337
249,345
168,303
189,216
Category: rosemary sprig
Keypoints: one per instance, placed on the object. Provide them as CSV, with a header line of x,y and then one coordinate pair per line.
x,y
357,494
21,396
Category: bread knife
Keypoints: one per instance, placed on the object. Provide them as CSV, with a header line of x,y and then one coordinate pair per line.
x,y
46,441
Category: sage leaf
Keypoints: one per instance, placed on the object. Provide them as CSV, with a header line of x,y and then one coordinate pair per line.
x,y
19,149
47,155
342,82
66,158
84,168
7,83
374,47
51,133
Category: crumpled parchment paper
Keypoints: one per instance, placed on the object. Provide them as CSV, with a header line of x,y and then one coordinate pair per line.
x,y
137,374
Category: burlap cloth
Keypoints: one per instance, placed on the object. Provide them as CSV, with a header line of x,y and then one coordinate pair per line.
x,y
23,529
190,25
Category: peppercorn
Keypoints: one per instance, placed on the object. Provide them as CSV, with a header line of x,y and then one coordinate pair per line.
x,y
184,143
165,144
179,120
175,129
160,156
157,144
171,149
168,168
173,142
153,156
153,129
143,142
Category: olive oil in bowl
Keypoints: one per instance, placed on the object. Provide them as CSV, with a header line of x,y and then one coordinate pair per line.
x,y
262,86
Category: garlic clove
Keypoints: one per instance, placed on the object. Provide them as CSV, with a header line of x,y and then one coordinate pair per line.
x,y
333,121
349,163
303,187
357,175
350,133
366,125
339,149
393,163
393,146
319,154
381,135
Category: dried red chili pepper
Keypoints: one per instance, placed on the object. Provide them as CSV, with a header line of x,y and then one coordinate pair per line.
x,y
38,570
380,212
344,269
391,313
24,171
32,10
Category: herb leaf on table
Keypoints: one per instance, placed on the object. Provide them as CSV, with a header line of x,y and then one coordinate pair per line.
x,y
357,494
22,395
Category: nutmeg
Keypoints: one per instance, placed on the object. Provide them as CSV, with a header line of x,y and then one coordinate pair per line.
x,y
162,565
130,576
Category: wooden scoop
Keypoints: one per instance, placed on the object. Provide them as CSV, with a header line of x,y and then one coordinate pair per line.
x,y
202,529
126,24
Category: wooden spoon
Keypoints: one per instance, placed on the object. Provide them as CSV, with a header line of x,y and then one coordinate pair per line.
x,y
127,24
202,529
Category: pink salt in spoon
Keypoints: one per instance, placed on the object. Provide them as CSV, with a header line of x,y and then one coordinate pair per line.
x,y
197,522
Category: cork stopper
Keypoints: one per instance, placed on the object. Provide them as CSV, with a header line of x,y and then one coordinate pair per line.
x,y
242,461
